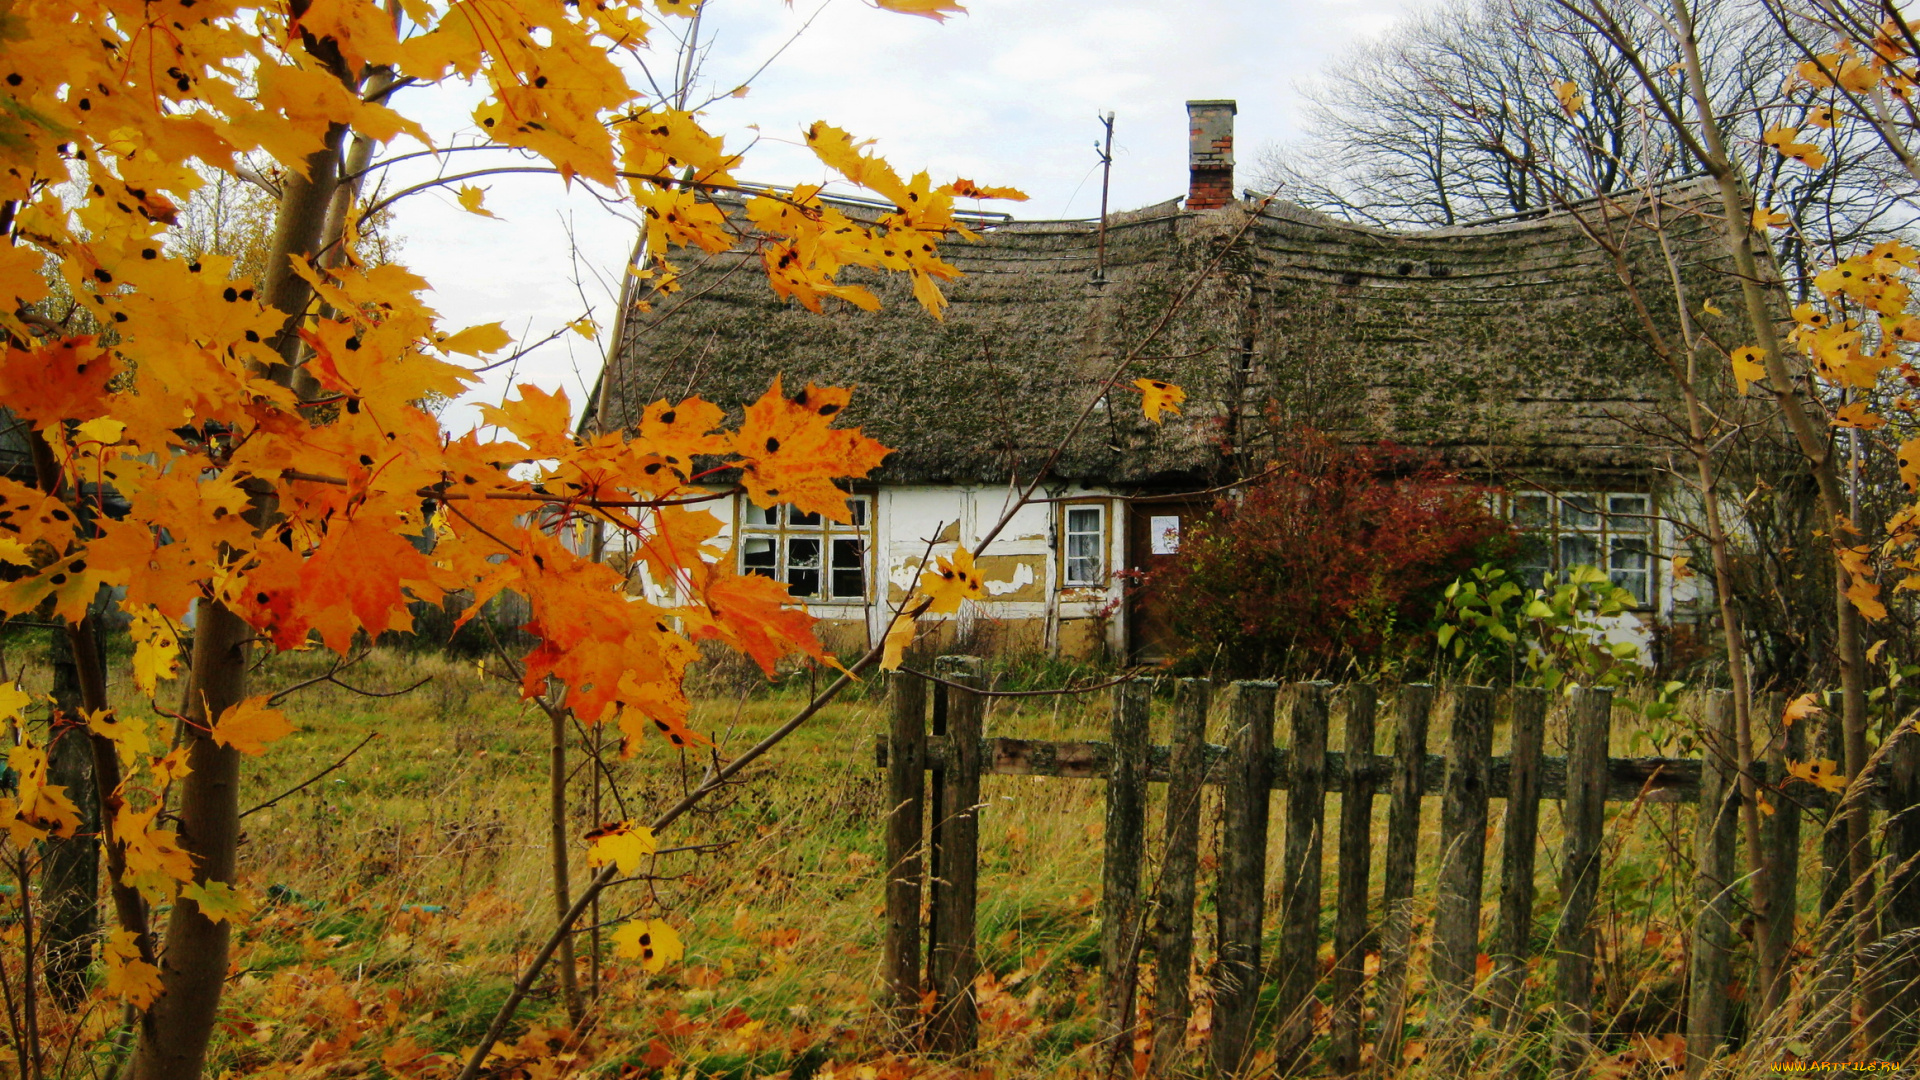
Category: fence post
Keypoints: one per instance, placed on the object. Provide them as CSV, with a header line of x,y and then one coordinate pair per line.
x,y
1241,901
1780,839
1514,941
956,1017
1173,941
1120,909
1298,964
1463,864
1713,841
1403,847
1350,931
906,764
1583,818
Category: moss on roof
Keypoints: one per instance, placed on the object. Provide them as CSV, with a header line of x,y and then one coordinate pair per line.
x,y
1510,343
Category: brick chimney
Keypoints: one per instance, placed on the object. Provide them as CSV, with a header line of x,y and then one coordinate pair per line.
x,y
1210,154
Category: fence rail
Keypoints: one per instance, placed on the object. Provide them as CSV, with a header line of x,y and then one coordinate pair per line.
x,y
1654,779
935,754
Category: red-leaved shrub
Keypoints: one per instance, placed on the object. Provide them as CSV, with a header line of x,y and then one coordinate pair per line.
x,y
1334,557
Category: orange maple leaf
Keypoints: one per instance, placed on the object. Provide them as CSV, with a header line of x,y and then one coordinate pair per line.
x,y
791,453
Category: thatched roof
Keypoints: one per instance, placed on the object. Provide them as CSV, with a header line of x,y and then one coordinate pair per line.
x,y
1509,342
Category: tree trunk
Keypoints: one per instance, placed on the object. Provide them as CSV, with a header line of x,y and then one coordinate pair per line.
x,y
1849,653
175,1031
70,868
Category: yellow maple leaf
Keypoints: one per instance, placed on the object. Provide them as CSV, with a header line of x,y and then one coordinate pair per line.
x,y
1865,594
156,649
1708,307
1682,568
1874,650
622,843
1822,773
1909,461
1857,414
129,735
1764,804
13,701
470,198
1764,218
1159,396
650,941
1807,704
937,10
477,340
899,636
1748,367
585,327
1567,92
104,431
218,901
128,976
249,726
951,581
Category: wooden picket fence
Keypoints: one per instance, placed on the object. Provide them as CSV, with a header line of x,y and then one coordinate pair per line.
x,y
933,838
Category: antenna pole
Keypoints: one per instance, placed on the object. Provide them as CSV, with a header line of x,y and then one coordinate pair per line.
x,y
1106,175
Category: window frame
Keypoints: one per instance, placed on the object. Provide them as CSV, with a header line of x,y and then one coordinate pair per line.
x,y
783,532
1611,532
1103,543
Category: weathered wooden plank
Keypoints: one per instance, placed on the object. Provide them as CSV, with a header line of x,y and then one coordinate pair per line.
x,y
1583,817
1662,780
1780,843
1173,930
1403,847
1351,936
1121,916
1463,861
1241,901
1713,888
900,958
1513,944
1297,966
955,962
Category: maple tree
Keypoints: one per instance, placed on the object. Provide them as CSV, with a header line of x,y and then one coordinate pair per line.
x,y
269,437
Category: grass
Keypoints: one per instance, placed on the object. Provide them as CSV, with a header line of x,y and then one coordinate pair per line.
x,y
400,893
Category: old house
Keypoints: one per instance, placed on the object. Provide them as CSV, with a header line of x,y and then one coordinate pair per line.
x,y
1507,345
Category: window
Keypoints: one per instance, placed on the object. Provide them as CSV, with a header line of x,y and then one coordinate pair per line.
x,y
1612,530
1084,548
816,558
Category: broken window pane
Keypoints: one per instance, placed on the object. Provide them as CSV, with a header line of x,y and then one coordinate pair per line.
x,y
849,569
757,556
803,566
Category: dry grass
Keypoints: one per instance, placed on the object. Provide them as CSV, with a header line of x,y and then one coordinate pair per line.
x,y
400,893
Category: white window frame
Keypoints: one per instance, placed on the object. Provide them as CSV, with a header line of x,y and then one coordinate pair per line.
x,y
782,531
1615,529
1068,558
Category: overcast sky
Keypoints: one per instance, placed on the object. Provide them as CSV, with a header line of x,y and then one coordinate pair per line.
x,y
1005,94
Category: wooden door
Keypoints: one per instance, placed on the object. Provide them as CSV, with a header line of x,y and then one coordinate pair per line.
x,y
1154,531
